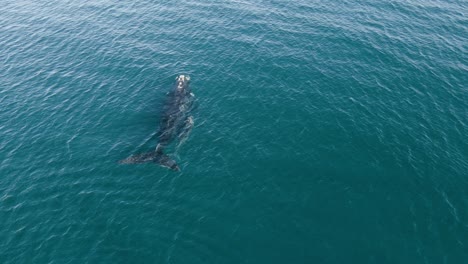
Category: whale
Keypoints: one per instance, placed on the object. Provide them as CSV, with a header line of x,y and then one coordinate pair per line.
x,y
176,122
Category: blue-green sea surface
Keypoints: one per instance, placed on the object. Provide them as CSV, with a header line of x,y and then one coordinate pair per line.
x,y
325,132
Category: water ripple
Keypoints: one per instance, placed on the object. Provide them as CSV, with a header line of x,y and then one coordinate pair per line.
x,y
320,128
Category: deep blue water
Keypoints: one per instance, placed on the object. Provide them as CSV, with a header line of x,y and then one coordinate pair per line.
x,y
325,132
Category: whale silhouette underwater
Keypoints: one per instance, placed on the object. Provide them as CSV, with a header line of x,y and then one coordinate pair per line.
x,y
175,124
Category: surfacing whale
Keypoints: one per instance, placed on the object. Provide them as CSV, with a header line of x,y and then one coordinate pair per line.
x,y
176,123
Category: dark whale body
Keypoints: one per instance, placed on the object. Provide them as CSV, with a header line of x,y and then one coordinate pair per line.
x,y
176,122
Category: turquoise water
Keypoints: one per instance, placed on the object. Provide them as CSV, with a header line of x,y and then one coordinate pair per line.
x,y
325,132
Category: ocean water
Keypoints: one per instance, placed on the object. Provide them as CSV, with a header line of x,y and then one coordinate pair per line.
x,y
325,132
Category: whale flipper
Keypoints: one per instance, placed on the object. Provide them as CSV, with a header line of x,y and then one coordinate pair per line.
x,y
185,131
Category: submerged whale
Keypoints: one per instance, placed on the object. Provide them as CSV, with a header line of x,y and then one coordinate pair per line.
x,y
176,123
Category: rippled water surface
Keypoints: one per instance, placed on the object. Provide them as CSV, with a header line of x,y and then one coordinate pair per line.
x,y
325,132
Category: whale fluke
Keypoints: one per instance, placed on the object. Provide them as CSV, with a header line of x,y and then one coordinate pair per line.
x,y
155,157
